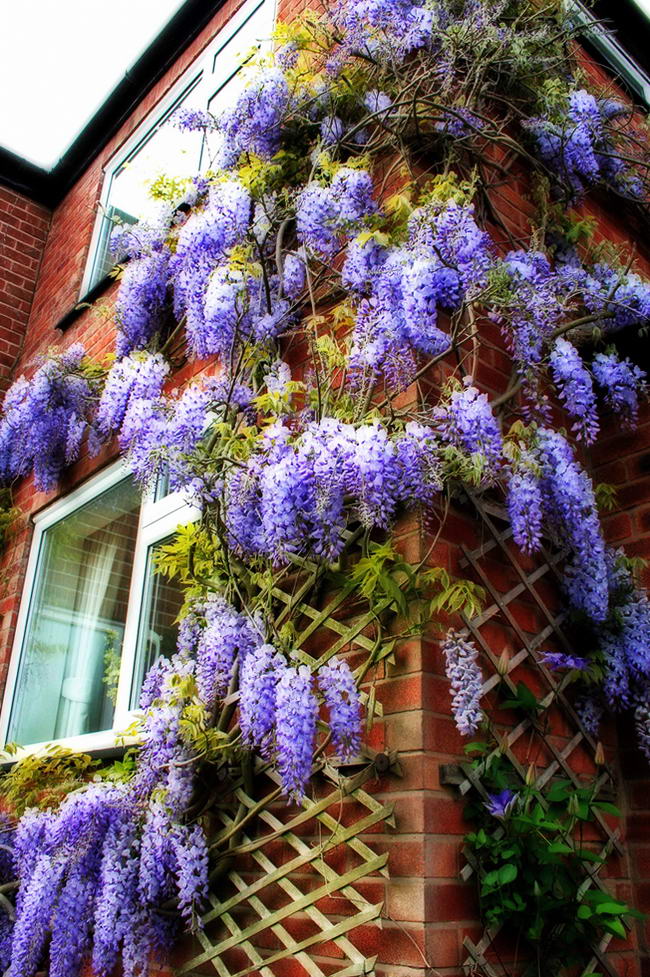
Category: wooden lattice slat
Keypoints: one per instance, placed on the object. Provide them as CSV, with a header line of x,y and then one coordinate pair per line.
x,y
242,919
497,538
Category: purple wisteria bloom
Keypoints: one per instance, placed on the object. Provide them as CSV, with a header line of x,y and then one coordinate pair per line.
x,y
260,673
468,423
341,695
557,660
296,713
622,382
525,508
576,389
44,420
466,680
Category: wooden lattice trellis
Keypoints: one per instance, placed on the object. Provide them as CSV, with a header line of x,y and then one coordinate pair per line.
x,y
266,907
286,860
497,542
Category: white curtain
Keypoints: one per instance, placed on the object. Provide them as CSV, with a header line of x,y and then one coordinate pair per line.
x,y
85,658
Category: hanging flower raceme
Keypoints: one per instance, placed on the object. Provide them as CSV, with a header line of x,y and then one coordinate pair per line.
x,y
621,382
139,376
403,290
619,298
389,29
325,213
525,504
466,680
44,419
467,422
574,382
220,638
533,309
579,148
160,434
571,515
298,496
253,123
278,710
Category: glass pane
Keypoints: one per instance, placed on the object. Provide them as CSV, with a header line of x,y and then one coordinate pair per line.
x,y
72,648
158,629
165,151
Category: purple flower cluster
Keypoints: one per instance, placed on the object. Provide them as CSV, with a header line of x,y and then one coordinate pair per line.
x,y
466,680
621,299
141,300
589,708
219,637
291,497
253,123
624,641
621,382
576,388
159,434
534,308
384,29
557,660
525,504
579,149
325,213
193,120
572,517
402,290
84,871
204,241
278,709
139,376
468,423
550,490
44,419
342,700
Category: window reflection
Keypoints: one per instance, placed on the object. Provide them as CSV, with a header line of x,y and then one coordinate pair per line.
x,y
73,640
158,629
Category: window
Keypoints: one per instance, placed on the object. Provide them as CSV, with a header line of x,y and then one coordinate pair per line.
x,y
94,615
627,70
158,148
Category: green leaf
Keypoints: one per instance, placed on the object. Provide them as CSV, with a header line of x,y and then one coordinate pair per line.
x,y
612,908
614,926
391,589
559,791
559,848
584,912
476,747
607,808
507,873
589,856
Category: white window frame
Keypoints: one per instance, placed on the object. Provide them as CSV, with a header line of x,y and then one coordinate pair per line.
x,y
157,521
209,74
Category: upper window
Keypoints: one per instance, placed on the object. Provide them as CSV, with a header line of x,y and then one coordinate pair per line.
x,y
94,614
158,148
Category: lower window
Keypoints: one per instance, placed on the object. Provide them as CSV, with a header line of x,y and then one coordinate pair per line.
x,y
94,616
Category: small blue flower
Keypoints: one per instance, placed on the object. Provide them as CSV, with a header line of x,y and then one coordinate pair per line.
x,y
499,805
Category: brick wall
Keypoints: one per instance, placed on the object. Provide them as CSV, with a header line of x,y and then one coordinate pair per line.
x,y
428,910
23,231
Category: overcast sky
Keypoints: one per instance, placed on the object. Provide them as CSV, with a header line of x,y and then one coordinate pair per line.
x,y
59,59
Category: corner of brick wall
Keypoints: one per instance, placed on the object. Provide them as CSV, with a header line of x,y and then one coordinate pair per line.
x,y
622,459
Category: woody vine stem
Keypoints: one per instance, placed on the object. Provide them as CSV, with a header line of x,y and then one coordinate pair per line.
x,y
338,273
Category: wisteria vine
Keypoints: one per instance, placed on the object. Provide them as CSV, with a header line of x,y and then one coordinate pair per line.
x,y
345,239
